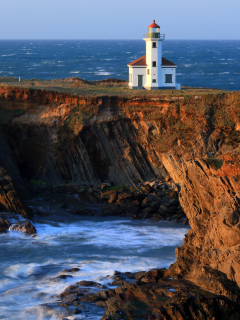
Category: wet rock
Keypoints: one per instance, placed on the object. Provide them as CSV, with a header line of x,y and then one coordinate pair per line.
x,y
71,270
76,311
62,276
4,225
153,276
85,283
24,226
169,299
74,291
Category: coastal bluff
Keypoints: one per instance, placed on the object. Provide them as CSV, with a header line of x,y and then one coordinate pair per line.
x,y
190,138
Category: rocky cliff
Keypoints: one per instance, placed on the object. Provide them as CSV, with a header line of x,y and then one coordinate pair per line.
x,y
192,139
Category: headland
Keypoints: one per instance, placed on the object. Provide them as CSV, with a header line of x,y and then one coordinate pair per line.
x,y
148,154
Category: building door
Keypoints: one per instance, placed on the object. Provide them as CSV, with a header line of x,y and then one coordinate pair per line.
x,y
140,81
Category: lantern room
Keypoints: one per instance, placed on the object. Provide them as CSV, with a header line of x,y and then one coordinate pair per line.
x,y
154,30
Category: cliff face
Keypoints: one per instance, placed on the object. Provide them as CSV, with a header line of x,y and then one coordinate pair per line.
x,y
193,139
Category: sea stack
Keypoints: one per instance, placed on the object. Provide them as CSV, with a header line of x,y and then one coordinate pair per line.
x,y
152,71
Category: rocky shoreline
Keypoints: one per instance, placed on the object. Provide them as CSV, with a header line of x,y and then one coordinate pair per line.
x,y
150,200
142,295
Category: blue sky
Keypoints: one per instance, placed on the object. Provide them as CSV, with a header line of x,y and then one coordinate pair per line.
x,y
124,19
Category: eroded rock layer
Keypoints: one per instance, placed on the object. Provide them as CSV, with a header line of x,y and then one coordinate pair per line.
x,y
192,139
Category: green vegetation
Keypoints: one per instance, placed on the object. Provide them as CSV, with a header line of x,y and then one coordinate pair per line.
x,y
79,116
214,163
38,182
95,88
118,188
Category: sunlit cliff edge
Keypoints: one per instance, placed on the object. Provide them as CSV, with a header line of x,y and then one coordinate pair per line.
x,y
87,139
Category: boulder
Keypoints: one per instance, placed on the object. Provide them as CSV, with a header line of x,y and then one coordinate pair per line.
x,y
111,196
4,225
145,213
24,226
149,200
125,197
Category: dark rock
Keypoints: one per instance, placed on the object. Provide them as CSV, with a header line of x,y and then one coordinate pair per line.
x,y
153,276
24,226
125,197
85,283
76,311
4,225
173,194
139,196
155,204
149,199
62,276
103,187
145,213
164,208
146,188
111,196
71,270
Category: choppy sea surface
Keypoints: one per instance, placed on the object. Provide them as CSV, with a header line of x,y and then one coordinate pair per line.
x,y
201,63
96,245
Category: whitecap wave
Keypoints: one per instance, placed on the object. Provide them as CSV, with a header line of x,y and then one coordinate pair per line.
x,y
103,73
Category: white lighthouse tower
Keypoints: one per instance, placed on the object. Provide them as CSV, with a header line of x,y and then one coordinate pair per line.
x,y
152,71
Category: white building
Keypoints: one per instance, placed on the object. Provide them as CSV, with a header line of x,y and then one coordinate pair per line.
x,y
152,71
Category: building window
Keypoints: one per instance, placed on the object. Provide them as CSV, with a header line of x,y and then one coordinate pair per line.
x,y
154,63
168,78
130,77
148,71
154,81
154,45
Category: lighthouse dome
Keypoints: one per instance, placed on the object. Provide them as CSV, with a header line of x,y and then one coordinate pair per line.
x,y
154,30
154,25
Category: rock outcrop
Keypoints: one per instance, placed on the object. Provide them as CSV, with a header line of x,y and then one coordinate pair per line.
x,y
210,252
9,199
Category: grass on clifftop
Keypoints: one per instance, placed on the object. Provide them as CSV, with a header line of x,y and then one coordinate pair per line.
x,y
79,117
112,87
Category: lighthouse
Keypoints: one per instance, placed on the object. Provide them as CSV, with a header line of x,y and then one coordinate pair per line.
x,y
152,71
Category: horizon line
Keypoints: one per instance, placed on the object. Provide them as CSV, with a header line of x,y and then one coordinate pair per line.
x,y
114,39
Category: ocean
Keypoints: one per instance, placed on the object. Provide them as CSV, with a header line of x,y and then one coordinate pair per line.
x,y
201,63
95,245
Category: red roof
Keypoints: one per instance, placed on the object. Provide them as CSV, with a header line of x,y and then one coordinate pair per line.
x,y
139,62
142,62
166,62
154,25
